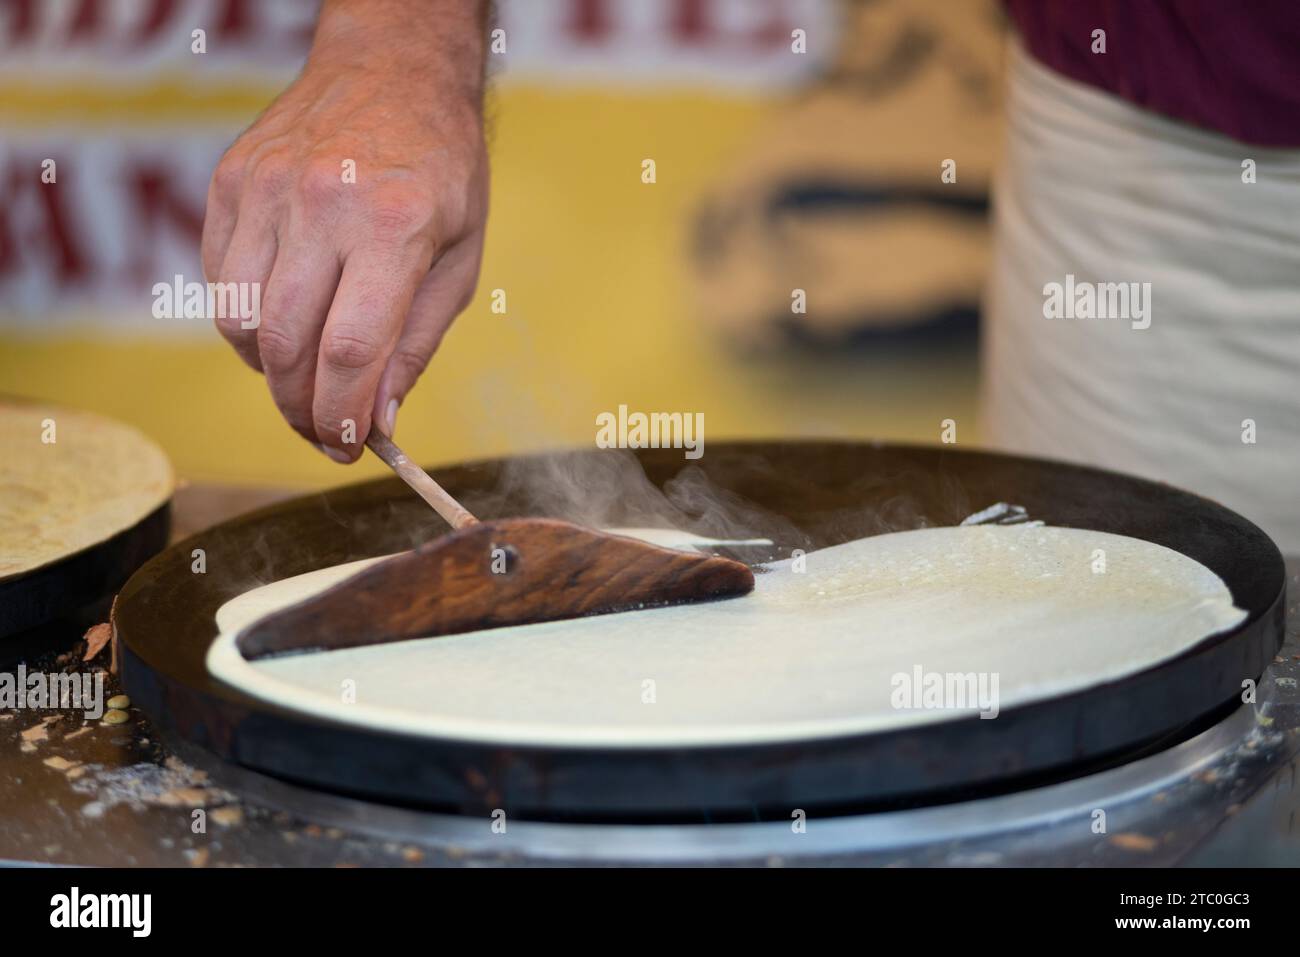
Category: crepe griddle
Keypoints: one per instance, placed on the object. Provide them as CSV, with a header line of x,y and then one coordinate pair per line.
x,y
817,494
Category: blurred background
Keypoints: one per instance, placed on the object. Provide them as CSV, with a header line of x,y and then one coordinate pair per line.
x,y
776,170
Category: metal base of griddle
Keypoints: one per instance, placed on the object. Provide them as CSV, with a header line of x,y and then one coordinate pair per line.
x,y
1155,810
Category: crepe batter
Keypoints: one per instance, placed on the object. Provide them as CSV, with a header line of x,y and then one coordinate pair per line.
x,y
70,480
810,653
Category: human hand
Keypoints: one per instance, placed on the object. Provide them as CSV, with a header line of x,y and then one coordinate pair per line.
x,y
360,273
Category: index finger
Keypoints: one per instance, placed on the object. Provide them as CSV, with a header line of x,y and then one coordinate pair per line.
x,y
365,319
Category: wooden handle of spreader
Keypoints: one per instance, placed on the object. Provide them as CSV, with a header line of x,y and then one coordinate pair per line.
x,y
457,515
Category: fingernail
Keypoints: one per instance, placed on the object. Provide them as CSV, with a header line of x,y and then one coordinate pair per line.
x,y
335,454
391,416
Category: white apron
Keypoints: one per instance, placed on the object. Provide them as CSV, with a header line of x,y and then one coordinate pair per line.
x,y
1094,188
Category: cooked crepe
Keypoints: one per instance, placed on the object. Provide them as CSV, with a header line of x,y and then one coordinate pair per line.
x,y
96,479
1031,612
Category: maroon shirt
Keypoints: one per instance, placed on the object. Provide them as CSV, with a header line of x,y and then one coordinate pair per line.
x,y
1226,65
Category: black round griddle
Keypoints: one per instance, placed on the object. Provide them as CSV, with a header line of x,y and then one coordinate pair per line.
x,y
816,494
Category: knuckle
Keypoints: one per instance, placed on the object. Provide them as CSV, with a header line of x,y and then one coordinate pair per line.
x,y
350,348
394,220
271,176
399,212
279,351
319,185
409,363
464,299
228,175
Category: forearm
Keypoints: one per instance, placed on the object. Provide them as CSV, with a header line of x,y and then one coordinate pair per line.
x,y
422,42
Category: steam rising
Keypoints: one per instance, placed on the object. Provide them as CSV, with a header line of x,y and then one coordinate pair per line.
x,y
611,489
